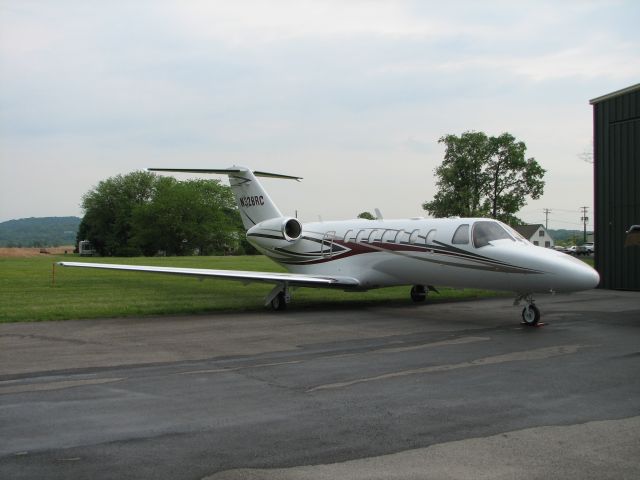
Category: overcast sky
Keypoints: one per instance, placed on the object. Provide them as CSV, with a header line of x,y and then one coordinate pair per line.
x,y
351,95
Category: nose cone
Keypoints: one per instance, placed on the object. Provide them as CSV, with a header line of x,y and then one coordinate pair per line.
x,y
575,275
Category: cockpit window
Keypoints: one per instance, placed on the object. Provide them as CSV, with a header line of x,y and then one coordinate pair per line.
x,y
461,237
515,234
486,231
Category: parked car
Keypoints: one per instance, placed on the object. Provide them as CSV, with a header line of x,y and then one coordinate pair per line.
x,y
572,250
585,249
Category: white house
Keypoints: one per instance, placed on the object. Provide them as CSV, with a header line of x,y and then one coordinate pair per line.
x,y
536,234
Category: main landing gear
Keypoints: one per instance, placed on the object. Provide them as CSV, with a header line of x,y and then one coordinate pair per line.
x,y
279,297
530,313
419,292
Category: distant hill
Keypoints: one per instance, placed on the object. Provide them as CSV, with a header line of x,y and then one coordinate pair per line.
x,y
39,232
571,235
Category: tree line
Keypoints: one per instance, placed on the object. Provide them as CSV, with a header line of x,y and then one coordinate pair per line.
x,y
142,213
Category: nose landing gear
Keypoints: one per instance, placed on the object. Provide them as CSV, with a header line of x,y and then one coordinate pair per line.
x,y
530,313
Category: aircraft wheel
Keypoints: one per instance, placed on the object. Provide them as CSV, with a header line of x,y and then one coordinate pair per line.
x,y
418,293
531,315
278,303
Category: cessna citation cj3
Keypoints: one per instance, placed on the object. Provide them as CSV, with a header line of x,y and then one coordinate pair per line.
x,y
357,255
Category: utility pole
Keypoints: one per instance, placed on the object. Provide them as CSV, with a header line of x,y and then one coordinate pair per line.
x,y
546,218
584,219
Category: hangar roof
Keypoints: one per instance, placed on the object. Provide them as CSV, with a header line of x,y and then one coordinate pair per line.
x,y
608,96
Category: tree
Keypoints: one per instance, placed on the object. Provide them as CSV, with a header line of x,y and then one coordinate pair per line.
x,y
109,209
185,217
461,177
366,216
512,178
142,213
483,176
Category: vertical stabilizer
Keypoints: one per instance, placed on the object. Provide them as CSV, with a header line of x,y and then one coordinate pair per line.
x,y
253,201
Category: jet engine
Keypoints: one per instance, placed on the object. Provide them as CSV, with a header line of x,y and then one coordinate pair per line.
x,y
273,232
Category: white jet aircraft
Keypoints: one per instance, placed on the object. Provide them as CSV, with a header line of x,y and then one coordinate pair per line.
x,y
357,255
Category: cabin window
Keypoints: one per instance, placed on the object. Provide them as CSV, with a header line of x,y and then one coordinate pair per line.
x,y
389,236
431,236
461,237
485,232
361,236
413,238
376,236
347,235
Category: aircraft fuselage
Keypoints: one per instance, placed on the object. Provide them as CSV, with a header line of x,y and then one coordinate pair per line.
x,y
383,253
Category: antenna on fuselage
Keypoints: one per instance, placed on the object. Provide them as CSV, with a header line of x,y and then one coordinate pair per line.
x,y
379,214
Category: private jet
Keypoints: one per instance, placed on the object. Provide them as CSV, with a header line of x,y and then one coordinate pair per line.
x,y
359,255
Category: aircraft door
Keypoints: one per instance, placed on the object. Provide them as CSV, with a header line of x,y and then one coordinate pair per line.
x,y
327,244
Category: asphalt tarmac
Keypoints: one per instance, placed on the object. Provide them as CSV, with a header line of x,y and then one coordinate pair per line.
x,y
458,390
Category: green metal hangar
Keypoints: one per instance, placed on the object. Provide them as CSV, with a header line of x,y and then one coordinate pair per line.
x,y
616,149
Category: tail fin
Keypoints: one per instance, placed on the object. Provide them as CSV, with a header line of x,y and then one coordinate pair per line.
x,y
254,202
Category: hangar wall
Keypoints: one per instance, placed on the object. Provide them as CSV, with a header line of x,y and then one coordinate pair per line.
x,y
616,149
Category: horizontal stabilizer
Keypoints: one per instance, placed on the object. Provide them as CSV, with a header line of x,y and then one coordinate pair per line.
x,y
223,171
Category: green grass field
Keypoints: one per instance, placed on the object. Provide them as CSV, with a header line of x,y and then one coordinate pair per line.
x,y
27,292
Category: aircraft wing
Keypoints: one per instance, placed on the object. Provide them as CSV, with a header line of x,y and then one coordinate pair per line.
x,y
293,279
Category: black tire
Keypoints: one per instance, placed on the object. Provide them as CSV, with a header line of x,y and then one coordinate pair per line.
x,y
418,293
278,303
531,315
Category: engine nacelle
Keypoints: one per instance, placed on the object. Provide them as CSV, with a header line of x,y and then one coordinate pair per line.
x,y
292,229
273,232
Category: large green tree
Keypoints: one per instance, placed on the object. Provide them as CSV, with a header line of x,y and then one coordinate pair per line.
x,y
184,217
142,213
484,176
109,208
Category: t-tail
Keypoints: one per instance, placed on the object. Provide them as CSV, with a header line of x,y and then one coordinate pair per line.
x,y
253,201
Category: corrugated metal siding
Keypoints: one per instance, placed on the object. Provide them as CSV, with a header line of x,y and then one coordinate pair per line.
x,y
617,189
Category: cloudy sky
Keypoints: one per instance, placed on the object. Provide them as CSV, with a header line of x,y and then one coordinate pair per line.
x,y
352,95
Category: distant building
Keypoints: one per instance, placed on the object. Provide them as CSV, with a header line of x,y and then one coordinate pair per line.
x,y
616,162
536,234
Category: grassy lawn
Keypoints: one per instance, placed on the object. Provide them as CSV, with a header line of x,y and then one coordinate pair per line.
x,y
588,260
28,294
